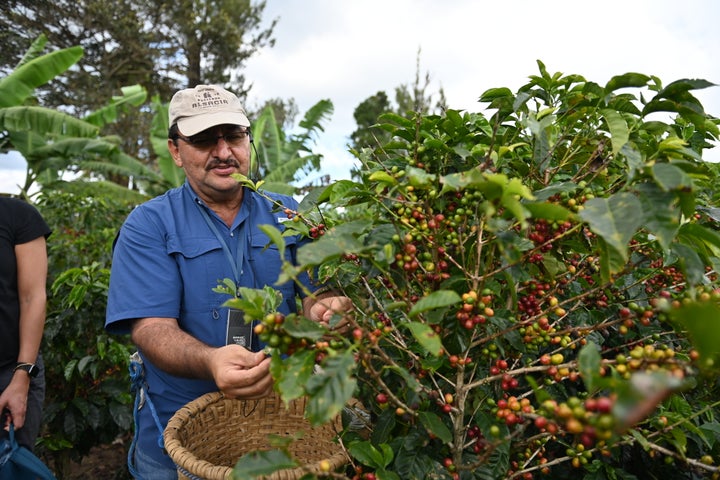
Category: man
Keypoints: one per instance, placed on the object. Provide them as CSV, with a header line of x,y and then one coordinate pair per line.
x,y
173,250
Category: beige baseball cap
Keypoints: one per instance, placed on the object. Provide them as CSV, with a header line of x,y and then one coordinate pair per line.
x,y
197,109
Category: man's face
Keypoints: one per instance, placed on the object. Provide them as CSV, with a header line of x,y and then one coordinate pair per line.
x,y
210,157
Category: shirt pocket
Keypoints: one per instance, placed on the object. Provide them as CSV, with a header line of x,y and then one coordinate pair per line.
x,y
202,264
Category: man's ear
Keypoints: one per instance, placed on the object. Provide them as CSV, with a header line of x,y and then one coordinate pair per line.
x,y
174,152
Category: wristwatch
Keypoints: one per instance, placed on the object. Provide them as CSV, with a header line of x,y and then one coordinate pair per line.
x,y
30,368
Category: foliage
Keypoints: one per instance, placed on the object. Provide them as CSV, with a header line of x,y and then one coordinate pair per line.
x,y
284,111
214,42
536,290
88,400
221,37
157,44
281,159
171,173
52,142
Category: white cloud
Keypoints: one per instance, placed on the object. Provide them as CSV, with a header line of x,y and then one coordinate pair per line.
x,y
12,172
10,181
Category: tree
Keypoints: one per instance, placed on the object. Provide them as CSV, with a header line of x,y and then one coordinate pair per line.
x,y
218,41
158,44
366,116
418,99
117,44
536,289
407,99
284,111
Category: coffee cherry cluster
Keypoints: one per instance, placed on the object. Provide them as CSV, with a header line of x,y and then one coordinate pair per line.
x,y
668,276
539,333
534,454
477,442
314,230
432,228
292,215
543,234
474,311
317,230
270,331
513,411
589,421
531,302
649,358
379,326
360,474
558,371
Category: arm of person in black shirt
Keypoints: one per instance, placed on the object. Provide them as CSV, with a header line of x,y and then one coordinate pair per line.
x,y
32,267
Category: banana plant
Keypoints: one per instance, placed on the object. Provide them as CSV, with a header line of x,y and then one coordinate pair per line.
x,y
171,173
54,142
280,159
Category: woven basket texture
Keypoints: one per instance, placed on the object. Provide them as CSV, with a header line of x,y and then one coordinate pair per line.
x,y
206,437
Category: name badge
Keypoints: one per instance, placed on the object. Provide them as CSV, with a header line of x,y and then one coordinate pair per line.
x,y
238,332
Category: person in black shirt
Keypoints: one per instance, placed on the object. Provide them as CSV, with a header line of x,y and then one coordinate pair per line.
x,y
23,296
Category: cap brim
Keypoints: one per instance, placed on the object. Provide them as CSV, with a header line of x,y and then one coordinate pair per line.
x,y
191,125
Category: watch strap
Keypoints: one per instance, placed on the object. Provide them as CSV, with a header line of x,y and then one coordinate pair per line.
x,y
30,368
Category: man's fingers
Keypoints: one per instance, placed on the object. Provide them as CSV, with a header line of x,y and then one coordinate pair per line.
x,y
262,388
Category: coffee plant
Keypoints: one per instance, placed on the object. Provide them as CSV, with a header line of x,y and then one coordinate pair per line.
x,y
535,290
88,402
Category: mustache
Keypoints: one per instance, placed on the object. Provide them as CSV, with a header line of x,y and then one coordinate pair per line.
x,y
219,162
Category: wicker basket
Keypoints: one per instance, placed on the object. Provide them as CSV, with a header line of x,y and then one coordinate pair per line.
x,y
206,437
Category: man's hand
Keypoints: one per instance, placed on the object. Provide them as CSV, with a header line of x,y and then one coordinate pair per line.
x,y
240,373
323,309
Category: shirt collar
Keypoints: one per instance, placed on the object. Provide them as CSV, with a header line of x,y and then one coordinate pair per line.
x,y
245,206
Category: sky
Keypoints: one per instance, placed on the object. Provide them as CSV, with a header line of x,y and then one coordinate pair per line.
x,y
346,51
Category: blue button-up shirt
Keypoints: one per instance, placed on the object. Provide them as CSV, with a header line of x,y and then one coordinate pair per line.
x,y
167,261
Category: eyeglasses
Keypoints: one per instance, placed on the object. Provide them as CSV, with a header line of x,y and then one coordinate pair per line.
x,y
206,142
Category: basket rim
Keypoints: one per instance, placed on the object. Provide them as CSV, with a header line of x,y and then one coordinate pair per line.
x,y
187,461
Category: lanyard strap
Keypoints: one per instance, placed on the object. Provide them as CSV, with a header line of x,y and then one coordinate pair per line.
x,y
235,262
